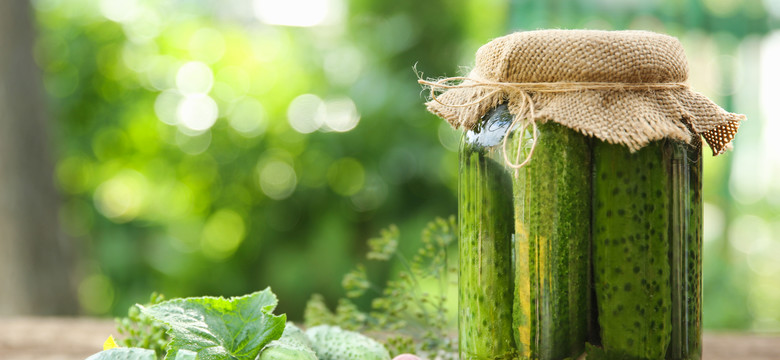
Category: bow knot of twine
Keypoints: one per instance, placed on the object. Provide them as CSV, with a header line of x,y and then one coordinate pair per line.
x,y
523,92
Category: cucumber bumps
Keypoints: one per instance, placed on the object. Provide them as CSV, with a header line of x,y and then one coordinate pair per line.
x,y
524,243
630,249
551,249
486,227
334,343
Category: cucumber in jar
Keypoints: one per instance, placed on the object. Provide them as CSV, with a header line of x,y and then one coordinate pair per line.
x,y
552,242
631,196
486,228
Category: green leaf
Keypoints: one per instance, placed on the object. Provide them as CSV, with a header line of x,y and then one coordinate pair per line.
x,y
124,354
219,328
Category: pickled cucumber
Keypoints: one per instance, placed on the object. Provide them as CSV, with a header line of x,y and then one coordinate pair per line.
x,y
544,209
552,241
685,239
631,247
486,228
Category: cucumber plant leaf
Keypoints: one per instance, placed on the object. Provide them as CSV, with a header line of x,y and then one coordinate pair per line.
x,y
220,329
120,353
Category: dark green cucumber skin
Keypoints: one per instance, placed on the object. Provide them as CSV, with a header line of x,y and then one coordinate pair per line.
x,y
542,217
630,249
642,216
485,257
647,249
686,253
551,249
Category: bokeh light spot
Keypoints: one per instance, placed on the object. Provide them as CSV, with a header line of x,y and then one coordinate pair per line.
x,y
247,116
302,13
723,8
306,113
764,292
277,179
119,10
713,222
121,197
449,137
144,26
96,294
772,7
161,71
344,65
749,234
222,234
346,176
46,5
197,112
165,106
765,262
341,114
137,57
194,77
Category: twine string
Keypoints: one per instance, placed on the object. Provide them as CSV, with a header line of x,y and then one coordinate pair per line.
x,y
526,106
524,90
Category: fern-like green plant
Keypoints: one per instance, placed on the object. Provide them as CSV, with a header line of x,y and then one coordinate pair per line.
x,y
413,320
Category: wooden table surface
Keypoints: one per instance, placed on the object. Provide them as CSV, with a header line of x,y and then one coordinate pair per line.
x,y
77,338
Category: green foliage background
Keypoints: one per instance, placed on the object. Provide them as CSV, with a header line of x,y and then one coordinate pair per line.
x,y
252,202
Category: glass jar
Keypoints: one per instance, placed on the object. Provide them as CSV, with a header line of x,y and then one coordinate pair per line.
x,y
647,223
586,243
524,243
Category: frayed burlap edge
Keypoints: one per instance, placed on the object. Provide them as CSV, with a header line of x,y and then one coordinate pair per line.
x,y
632,118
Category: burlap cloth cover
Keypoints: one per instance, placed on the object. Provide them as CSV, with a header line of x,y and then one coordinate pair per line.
x,y
632,117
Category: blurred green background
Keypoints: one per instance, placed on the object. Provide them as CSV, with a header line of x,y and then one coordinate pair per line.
x,y
222,147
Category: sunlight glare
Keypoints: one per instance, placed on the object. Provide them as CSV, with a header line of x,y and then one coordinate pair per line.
x,y
306,113
197,112
194,77
303,13
119,10
341,114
